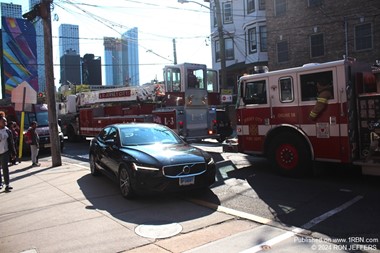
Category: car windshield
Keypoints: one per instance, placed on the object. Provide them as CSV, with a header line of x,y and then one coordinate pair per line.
x,y
144,135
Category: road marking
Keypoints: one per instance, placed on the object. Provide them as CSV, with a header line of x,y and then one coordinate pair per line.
x,y
306,226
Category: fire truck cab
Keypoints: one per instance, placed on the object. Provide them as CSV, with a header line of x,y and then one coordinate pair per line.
x,y
277,116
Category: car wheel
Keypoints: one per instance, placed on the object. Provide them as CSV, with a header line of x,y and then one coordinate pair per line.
x,y
125,183
93,169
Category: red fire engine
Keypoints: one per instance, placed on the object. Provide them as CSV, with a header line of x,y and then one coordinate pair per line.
x,y
284,116
181,103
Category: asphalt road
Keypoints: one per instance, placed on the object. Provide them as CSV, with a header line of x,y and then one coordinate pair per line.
x,y
337,202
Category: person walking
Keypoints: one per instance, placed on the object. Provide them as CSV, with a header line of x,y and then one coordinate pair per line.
x,y
7,149
34,143
15,129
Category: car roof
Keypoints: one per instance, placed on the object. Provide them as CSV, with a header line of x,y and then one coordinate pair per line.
x,y
121,125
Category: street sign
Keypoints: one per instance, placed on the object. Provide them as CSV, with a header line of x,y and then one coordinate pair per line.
x,y
18,96
226,98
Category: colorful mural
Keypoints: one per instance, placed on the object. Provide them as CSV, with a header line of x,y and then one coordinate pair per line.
x,y
19,62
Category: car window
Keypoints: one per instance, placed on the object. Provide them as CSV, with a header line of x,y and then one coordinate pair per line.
x,y
147,135
102,135
111,134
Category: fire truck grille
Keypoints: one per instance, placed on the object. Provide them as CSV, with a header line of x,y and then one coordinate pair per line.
x,y
182,170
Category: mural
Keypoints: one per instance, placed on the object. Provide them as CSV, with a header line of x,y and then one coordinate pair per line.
x,y
19,62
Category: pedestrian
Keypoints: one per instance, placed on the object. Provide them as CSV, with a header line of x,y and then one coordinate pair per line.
x,y
7,149
15,129
34,143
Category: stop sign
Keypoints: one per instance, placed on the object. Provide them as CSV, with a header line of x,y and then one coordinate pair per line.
x,y
18,94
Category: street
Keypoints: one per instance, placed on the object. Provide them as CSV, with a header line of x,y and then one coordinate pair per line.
x,y
249,209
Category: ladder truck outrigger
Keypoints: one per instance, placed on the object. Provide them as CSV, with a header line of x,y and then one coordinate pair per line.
x,y
281,114
181,103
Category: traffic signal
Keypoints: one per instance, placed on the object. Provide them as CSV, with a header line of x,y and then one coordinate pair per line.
x,y
41,94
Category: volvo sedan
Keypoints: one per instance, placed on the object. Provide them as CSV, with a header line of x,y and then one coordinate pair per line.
x,y
147,157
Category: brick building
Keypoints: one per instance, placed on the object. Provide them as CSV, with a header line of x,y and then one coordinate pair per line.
x,y
304,31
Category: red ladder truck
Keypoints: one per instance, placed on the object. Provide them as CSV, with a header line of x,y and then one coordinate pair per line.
x,y
181,103
281,114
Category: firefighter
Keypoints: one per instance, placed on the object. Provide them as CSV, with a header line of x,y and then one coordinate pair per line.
x,y
324,94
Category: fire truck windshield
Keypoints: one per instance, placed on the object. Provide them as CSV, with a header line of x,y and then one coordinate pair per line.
x,y
40,117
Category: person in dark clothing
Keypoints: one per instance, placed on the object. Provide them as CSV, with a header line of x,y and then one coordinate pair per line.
x,y
35,143
7,149
15,129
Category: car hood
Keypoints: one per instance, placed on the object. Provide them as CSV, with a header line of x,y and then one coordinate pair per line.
x,y
163,154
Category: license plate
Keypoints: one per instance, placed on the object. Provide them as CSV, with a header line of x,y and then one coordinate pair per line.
x,y
186,181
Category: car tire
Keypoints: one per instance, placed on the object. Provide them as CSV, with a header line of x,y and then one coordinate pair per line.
x,y
125,183
93,169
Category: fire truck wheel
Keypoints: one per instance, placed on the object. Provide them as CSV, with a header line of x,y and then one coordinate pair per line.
x,y
93,169
290,155
125,183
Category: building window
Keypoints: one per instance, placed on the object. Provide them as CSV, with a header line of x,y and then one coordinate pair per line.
x,y
282,52
252,40
363,36
229,49
227,12
313,3
263,38
317,45
280,7
250,6
261,4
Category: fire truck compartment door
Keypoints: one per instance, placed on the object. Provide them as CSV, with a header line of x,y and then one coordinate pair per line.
x,y
196,118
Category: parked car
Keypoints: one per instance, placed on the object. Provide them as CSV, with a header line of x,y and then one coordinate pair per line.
x,y
148,157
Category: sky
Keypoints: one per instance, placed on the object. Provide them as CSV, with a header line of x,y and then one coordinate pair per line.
x,y
158,23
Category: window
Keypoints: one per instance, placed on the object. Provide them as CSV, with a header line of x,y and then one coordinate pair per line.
x,y
252,41
363,36
263,38
286,90
111,135
280,7
317,45
309,82
227,12
250,6
313,3
229,47
282,51
102,135
261,4
173,80
215,17
229,44
255,92
212,81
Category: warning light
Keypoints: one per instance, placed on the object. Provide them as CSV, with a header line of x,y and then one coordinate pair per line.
x,y
210,132
41,94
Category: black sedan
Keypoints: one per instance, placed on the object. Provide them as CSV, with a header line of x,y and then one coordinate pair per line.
x,y
145,157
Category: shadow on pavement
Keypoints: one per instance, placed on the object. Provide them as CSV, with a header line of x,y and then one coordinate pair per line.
x,y
103,195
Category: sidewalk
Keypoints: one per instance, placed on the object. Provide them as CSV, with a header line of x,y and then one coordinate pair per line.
x,y
65,209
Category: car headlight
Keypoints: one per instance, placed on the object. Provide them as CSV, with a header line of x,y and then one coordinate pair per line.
x,y
141,167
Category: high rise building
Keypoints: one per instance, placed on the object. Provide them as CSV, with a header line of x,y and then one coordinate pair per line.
x,y
113,58
91,70
40,49
68,39
70,68
131,54
11,10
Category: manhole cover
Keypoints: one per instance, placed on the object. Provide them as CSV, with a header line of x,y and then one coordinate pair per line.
x,y
158,230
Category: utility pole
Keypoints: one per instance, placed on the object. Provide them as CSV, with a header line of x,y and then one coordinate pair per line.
x,y
174,52
45,14
222,45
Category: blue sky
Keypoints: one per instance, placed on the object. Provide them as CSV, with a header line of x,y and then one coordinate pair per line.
x,y
158,23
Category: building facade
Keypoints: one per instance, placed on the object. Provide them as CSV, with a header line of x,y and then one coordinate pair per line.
x,y
91,70
113,59
245,37
68,39
314,31
11,10
131,57
40,49
70,68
